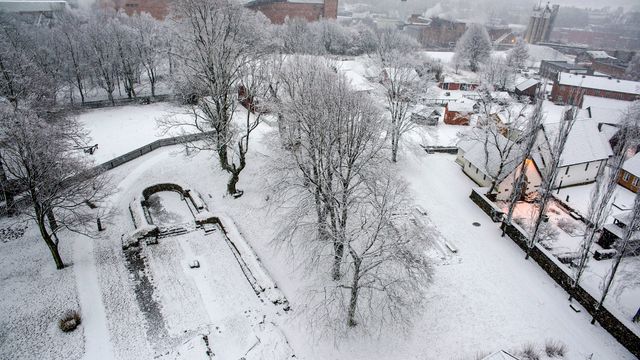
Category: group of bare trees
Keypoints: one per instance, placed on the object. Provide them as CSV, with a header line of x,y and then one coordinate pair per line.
x,y
42,173
84,51
335,181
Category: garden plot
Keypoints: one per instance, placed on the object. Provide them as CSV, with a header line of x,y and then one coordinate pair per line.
x,y
169,208
214,296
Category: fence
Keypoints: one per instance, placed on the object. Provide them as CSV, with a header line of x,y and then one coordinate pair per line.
x,y
441,149
557,272
133,154
125,101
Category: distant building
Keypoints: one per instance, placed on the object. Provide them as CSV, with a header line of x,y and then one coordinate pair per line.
x,y
39,10
278,10
541,24
435,32
550,69
159,9
570,88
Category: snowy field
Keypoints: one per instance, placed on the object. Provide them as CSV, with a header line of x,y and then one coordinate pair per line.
x,y
121,129
488,299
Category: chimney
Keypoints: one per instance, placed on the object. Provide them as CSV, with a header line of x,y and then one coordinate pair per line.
x,y
330,9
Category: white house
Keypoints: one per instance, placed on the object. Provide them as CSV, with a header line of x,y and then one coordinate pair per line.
x,y
503,164
585,151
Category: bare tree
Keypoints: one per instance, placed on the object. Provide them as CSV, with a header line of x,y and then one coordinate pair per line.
x,y
72,48
633,69
341,203
39,155
531,131
518,56
386,272
604,190
150,45
555,142
217,40
498,73
401,82
474,47
102,52
393,44
335,134
624,246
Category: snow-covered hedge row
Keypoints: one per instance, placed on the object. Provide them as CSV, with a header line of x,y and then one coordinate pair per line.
x,y
253,263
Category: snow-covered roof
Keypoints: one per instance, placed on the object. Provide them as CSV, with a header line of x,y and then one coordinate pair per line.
x,y
527,84
633,165
599,54
500,355
605,111
463,77
408,74
462,105
600,102
357,81
474,151
584,144
32,6
600,83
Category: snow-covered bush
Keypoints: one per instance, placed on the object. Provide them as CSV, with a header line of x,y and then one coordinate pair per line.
x,y
567,226
69,321
529,352
555,348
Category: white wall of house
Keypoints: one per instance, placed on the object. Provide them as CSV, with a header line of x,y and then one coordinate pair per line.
x,y
578,173
473,172
534,180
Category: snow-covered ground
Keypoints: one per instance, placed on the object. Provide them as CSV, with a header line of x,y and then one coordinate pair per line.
x,y
121,129
624,300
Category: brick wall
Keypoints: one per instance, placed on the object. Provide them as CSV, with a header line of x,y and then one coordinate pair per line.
x,y
277,12
573,95
614,70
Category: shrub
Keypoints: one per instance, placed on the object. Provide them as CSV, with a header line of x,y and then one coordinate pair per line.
x,y
69,321
567,226
554,348
529,352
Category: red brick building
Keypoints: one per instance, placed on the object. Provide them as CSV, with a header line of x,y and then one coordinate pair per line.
x,y
611,68
278,10
459,112
570,88
159,9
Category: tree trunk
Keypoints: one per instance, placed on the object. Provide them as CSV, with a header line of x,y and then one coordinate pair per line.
x,y
231,185
6,192
52,245
353,301
338,253
53,224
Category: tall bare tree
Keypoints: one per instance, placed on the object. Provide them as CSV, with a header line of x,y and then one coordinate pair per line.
x,y
39,156
217,40
556,139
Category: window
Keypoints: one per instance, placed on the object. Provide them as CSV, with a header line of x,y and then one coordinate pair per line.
x,y
586,167
625,177
566,172
635,181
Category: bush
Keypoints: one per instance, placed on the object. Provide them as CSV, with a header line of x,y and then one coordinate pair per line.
x,y
554,348
529,352
69,321
567,226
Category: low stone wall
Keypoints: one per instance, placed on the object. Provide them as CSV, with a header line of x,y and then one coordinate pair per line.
x,y
556,270
495,213
126,101
441,149
134,154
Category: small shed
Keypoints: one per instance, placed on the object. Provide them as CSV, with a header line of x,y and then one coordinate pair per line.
x,y
528,88
459,112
